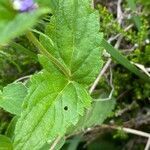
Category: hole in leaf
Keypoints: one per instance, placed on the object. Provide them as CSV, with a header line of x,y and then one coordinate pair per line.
x,y
66,108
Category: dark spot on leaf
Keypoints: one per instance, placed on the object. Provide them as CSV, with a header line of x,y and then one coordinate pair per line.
x,y
66,108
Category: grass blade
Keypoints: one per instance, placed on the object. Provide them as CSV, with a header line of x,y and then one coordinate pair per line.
x,y
123,61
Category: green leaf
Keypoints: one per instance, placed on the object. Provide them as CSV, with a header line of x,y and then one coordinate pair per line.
x,y
18,24
56,102
5,143
11,128
96,115
6,12
123,61
74,142
12,97
99,111
74,29
52,105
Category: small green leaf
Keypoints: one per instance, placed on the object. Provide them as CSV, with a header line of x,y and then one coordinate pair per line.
x,y
52,105
6,12
74,142
12,97
74,29
11,128
5,143
99,111
19,24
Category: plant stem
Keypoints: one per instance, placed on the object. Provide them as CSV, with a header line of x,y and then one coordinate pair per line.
x,y
55,143
43,51
147,145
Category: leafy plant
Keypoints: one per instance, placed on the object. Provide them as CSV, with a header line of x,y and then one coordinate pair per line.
x,y
55,101
63,99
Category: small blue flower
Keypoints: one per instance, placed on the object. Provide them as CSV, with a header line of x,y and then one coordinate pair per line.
x,y
24,5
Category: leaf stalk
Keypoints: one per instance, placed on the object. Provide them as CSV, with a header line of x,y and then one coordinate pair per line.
x,y
31,37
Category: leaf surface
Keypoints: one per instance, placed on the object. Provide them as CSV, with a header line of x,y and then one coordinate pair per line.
x,y
5,143
11,128
52,105
99,111
12,97
96,115
55,102
74,29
